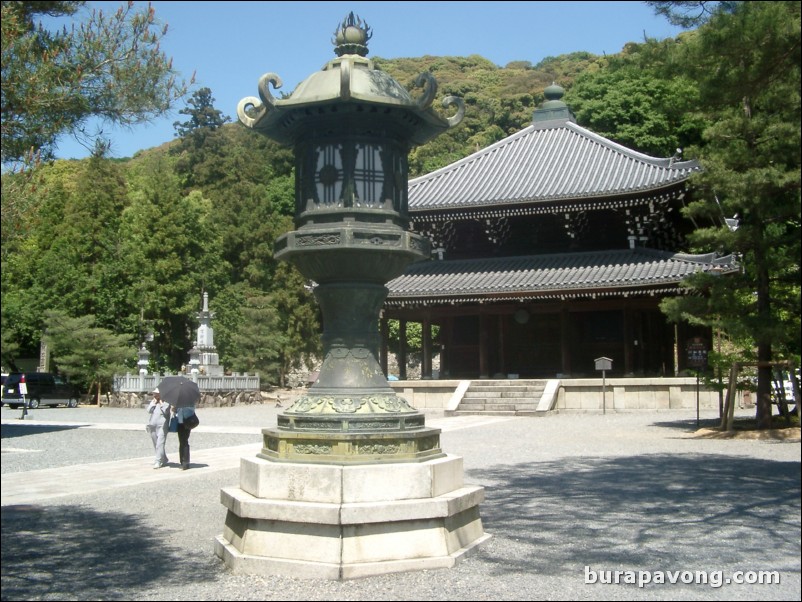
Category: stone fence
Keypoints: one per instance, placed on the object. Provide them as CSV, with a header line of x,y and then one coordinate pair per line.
x,y
145,383
209,399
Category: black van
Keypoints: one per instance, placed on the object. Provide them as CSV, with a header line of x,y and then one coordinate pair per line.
x,y
44,389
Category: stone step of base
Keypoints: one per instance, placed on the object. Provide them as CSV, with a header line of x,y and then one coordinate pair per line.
x,y
509,383
532,394
481,407
485,413
504,389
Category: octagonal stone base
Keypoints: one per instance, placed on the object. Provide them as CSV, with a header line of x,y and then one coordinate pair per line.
x,y
345,522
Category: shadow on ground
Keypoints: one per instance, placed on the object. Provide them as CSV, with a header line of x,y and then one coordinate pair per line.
x,y
653,511
8,431
647,511
65,553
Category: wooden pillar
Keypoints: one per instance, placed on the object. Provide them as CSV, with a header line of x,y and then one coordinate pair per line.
x,y
637,335
565,339
502,362
629,364
484,370
426,368
446,330
402,349
383,345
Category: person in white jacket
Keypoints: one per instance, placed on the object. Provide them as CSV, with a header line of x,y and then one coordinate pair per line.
x,y
158,424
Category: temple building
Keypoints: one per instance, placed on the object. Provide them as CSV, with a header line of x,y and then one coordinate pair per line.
x,y
551,248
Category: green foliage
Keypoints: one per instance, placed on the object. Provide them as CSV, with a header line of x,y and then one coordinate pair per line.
x,y
414,334
71,259
690,13
9,348
257,343
88,354
174,253
108,66
499,101
202,116
630,101
277,331
136,243
746,64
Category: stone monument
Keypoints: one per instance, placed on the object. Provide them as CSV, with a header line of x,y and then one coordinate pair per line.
x,y
351,482
203,357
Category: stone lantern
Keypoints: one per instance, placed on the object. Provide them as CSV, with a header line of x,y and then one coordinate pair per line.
x,y
351,482
194,361
144,360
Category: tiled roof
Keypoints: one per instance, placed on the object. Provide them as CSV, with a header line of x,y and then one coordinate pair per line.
x,y
549,276
546,162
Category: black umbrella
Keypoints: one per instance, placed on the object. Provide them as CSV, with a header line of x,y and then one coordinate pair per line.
x,y
179,391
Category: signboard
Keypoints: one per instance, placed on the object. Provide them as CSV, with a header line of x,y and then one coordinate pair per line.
x,y
603,363
697,353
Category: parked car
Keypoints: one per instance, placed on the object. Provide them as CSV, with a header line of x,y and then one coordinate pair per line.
x,y
44,389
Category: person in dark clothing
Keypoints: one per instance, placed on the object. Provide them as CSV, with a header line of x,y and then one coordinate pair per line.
x,y
184,414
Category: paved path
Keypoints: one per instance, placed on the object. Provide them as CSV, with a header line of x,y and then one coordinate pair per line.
x,y
38,485
86,517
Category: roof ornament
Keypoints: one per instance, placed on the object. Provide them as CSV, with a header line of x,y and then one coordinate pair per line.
x,y
351,36
554,92
250,110
553,108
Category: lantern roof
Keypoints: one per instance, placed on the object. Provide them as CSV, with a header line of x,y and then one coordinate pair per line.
x,y
350,84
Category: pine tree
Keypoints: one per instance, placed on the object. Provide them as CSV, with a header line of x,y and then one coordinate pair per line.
x,y
747,65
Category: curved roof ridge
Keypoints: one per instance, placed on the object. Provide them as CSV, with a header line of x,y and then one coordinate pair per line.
x,y
668,162
573,163
537,275
472,157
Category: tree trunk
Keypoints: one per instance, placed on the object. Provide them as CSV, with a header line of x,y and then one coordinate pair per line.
x,y
764,376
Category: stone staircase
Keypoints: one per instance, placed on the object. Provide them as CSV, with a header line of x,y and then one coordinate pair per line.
x,y
501,398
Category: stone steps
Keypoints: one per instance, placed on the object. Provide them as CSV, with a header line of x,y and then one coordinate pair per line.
x,y
501,398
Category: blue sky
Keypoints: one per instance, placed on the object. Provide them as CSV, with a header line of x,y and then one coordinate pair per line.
x,y
230,45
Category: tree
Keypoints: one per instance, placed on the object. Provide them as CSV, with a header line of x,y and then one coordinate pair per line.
x,y
173,254
278,331
690,13
86,353
630,101
203,117
258,342
54,81
109,66
746,62
201,147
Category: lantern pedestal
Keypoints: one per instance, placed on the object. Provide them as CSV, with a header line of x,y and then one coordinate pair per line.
x,y
346,522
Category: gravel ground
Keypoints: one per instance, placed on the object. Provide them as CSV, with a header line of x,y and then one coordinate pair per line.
x,y
628,492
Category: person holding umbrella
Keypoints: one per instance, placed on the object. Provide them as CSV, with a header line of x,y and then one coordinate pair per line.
x,y
158,423
182,394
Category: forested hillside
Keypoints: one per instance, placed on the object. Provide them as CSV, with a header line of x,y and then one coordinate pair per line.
x,y
134,243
